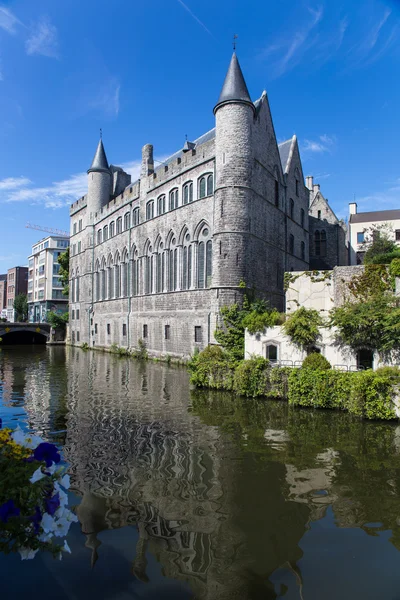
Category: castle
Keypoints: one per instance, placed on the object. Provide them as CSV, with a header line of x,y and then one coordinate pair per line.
x,y
156,259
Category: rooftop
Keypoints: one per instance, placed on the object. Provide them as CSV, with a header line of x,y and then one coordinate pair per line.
x,y
377,215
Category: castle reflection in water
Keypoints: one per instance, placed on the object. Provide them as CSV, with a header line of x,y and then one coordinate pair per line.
x,y
220,490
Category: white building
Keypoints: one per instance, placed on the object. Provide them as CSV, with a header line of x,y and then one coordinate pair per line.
x,y
44,285
360,223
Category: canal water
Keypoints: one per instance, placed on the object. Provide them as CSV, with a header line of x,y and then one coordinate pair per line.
x,y
184,494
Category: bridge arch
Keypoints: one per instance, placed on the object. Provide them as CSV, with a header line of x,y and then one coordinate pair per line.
x,y
24,333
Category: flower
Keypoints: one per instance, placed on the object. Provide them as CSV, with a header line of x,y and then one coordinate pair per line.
x,y
27,553
7,510
65,513
37,476
62,527
62,494
66,548
47,523
25,439
65,482
52,504
36,519
47,452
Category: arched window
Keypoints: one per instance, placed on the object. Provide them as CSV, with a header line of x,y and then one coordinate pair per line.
x,y
99,236
303,250
110,278
188,192
105,233
210,184
204,259
291,244
135,217
323,243
111,230
134,272
291,208
173,199
72,286
160,268
317,243
206,185
97,282
127,221
117,277
172,266
148,271
77,286
161,204
271,352
124,273
302,217
103,281
150,210
187,259
119,225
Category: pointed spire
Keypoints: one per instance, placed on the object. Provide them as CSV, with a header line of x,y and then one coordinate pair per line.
x,y
234,88
99,162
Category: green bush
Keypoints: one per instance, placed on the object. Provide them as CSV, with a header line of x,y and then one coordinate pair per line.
x,y
372,394
212,368
315,360
84,346
319,388
251,377
141,353
302,327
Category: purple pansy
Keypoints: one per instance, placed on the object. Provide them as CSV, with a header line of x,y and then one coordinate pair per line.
x,y
52,504
47,452
7,510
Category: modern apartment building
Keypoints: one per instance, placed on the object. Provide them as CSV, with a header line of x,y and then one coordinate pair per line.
x,y
3,295
360,225
16,284
44,285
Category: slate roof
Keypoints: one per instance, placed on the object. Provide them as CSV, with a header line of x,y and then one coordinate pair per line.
x,y
234,87
206,137
99,162
377,215
284,152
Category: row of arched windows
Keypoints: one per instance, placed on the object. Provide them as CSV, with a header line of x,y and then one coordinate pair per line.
x,y
205,187
178,265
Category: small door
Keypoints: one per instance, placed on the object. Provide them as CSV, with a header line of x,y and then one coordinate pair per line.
x,y
365,359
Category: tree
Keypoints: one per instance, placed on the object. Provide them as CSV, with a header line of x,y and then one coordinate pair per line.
x,y
302,327
63,261
57,321
378,244
21,307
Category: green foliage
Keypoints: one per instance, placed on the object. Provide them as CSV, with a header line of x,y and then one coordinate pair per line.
x,y
373,282
378,242
251,377
394,268
141,353
63,261
319,388
57,321
258,321
212,368
21,307
315,360
373,393
302,327
385,259
85,346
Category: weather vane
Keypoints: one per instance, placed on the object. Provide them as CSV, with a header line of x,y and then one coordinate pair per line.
x,y
235,37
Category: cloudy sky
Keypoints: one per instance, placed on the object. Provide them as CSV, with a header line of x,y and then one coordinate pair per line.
x,y
151,72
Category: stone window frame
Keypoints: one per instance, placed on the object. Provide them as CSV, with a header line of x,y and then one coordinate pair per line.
x,y
271,342
118,226
198,334
99,236
173,198
167,332
187,192
111,229
149,210
127,221
161,205
206,179
105,233
135,217
203,274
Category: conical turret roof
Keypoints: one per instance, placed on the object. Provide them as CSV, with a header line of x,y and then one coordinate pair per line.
x,y
99,162
234,88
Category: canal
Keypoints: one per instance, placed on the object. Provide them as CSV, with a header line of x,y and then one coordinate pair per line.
x,y
183,494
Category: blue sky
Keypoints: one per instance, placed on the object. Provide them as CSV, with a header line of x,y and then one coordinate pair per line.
x,y
151,72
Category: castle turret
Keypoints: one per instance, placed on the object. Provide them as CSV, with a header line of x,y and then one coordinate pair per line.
x,y
99,181
234,115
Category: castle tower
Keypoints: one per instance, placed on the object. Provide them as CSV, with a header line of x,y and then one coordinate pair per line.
x,y
99,181
234,115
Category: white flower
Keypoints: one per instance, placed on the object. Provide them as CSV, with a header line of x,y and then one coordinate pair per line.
x,y
62,494
61,527
45,537
66,548
24,439
65,482
47,523
37,476
65,513
27,553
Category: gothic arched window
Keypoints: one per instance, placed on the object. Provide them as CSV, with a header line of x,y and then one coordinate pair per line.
x,y
105,233
111,229
97,282
135,217
204,259
127,221
103,281
172,266
188,192
160,268
206,186
187,259
134,272
291,208
323,243
99,236
173,199
150,210
117,277
161,204
124,273
148,270
317,243
119,225
110,279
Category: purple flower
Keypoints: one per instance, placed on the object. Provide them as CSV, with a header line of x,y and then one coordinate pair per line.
x,y
52,504
7,510
36,519
47,452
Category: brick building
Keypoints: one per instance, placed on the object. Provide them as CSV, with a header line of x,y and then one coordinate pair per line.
x,y
156,259
17,283
3,295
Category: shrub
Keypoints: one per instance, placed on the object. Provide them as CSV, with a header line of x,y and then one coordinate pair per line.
x,y
302,327
212,368
141,353
315,360
373,393
251,377
85,346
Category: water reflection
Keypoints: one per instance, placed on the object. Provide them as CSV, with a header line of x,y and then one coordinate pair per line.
x,y
222,492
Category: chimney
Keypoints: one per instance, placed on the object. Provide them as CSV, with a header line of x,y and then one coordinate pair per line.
x,y
353,208
309,182
316,188
147,161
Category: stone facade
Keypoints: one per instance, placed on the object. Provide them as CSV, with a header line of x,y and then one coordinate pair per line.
x,y
328,234
230,207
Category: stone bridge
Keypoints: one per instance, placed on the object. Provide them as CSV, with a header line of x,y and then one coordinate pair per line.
x,y
24,333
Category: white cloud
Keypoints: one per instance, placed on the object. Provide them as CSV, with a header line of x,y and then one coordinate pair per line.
x,y
324,143
44,39
11,183
8,21
106,99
